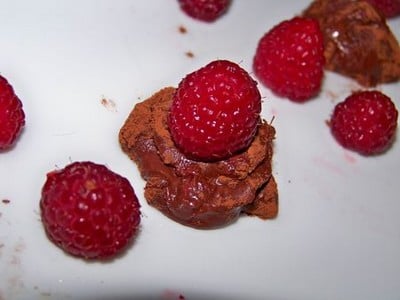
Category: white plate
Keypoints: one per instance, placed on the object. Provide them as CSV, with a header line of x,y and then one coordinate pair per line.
x,y
337,235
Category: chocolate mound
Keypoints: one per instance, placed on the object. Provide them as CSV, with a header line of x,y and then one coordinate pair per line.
x,y
358,42
198,194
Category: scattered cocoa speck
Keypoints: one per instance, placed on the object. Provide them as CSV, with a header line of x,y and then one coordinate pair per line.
x,y
182,29
181,297
328,123
6,201
109,104
189,54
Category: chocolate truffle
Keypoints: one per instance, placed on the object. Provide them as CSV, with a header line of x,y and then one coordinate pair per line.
x,y
358,42
193,193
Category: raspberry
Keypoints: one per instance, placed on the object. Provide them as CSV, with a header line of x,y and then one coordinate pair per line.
x,y
389,8
215,111
12,117
365,122
289,59
205,10
89,211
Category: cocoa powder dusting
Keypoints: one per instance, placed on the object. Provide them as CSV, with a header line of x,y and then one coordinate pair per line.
x,y
358,42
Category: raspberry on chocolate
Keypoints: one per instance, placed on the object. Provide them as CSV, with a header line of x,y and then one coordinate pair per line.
x,y
12,116
89,211
365,122
215,111
195,193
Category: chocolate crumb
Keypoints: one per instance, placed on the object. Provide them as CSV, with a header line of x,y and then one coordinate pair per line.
x,y
6,201
182,29
189,54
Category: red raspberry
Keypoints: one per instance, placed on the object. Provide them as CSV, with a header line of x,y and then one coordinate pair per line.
x,y
215,111
390,8
290,58
89,211
365,122
205,10
12,117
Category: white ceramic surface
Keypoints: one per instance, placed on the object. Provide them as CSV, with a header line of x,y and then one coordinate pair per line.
x,y
337,235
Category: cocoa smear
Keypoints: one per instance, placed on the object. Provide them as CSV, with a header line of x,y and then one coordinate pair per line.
x,y
193,193
109,104
358,42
